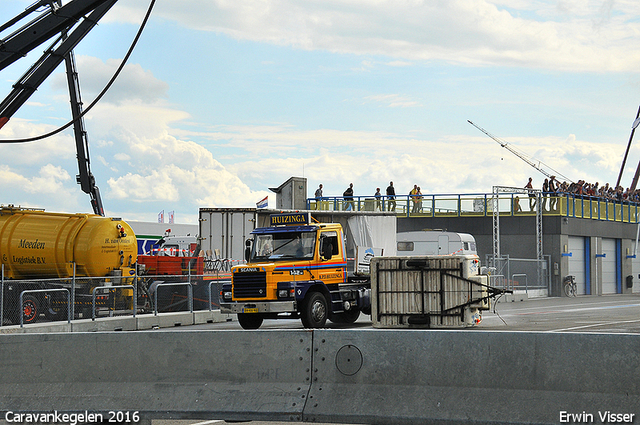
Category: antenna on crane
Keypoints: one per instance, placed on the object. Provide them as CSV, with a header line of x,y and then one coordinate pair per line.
x,y
537,164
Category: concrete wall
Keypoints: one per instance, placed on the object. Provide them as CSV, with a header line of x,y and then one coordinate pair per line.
x,y
343,376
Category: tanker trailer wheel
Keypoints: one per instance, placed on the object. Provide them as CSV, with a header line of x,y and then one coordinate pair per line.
x,y
250,320
56,308
30,309
315,311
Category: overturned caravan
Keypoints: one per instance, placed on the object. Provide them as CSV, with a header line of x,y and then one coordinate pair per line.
x,y
434,291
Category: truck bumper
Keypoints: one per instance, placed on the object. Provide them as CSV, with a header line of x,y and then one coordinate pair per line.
x,y
259,307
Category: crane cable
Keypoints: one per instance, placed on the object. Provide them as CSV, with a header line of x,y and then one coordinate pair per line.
x,y
101,94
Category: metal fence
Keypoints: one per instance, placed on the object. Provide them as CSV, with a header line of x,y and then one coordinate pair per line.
x,y
522,274
26,301
480,204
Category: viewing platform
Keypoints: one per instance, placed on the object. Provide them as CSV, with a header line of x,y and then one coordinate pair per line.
x,y
481,205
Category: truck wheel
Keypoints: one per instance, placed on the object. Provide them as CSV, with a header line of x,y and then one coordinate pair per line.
x,y
315,311
249,320
30,309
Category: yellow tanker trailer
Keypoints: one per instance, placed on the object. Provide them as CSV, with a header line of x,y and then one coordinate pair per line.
x,y
39,250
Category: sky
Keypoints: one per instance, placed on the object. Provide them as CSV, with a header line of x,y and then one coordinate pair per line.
x,y
223,99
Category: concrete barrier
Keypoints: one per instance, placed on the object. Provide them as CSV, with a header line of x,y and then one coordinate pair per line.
x,y
349,376
235,375
462,377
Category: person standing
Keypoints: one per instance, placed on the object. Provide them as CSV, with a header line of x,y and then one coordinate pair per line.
x,y
348,197
319,197
532,194
553,189
545,193
391,196
378,197
417,201
414,198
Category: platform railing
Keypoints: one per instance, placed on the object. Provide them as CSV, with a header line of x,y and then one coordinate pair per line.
x,y
480,205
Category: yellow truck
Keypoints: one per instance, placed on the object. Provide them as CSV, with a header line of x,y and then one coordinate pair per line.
x,y
297,269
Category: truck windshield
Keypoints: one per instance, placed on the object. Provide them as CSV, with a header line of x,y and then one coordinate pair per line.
x,y
284,246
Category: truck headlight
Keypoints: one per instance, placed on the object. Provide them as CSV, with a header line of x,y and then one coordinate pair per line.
x,y
285,293
226,295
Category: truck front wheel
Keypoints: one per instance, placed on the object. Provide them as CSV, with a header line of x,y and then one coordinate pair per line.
x,y
250,320
315,311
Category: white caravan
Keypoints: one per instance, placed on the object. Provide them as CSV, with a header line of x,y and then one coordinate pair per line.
x,y
435,242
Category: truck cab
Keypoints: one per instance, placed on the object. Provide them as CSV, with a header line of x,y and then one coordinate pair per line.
x,y
296,269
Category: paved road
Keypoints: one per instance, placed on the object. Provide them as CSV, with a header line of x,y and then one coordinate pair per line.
x,y
601,314
608,314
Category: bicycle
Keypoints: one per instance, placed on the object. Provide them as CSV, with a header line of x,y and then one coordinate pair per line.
x,y
570,286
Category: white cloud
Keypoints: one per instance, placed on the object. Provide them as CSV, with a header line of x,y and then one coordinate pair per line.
x,y
46,188
566,35
165,168
60,146
133,83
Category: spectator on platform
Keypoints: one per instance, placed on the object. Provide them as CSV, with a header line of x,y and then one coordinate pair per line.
x,y
348,197
417,200
378,197
532,195
391,196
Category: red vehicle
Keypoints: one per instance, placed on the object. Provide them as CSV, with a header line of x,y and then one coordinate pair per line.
x,y
179,260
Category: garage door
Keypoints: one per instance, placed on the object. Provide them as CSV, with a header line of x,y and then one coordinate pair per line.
x,y
609,267
577,262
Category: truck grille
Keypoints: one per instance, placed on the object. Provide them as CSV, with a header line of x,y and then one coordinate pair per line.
x,y
250,285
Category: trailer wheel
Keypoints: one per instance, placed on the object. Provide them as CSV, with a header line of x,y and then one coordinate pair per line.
x,y
30,309
55,308
53,313
349,316
250,320
315,311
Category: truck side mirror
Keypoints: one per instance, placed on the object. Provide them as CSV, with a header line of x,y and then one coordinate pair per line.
x,y
247,250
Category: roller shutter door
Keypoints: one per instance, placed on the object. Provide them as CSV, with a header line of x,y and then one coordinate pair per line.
x,y
577,263
609,269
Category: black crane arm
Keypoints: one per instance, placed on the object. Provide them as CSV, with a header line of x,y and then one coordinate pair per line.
x,y
51,58
47,25
58,21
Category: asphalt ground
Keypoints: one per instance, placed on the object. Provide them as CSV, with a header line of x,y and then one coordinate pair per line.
x,y
604,314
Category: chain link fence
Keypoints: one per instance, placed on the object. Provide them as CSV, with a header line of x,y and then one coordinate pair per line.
x,y
47,300
529,275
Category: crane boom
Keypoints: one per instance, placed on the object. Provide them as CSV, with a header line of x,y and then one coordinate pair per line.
x,y
70,24
519,155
